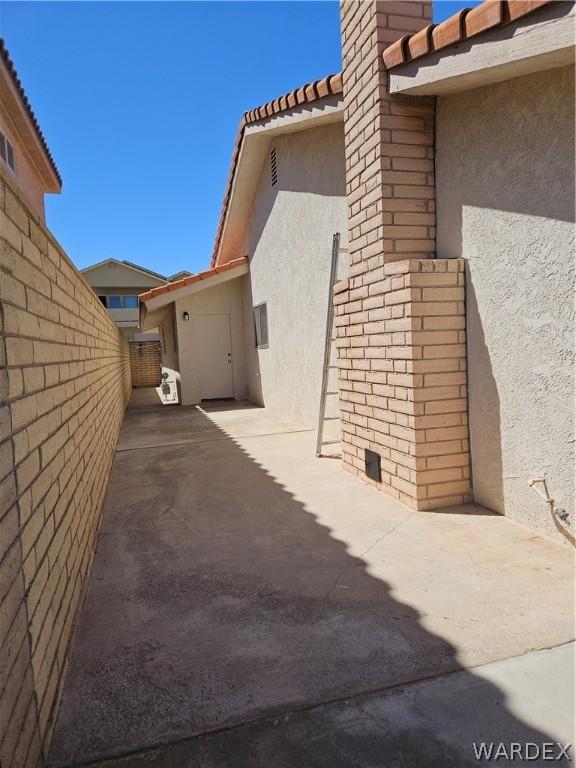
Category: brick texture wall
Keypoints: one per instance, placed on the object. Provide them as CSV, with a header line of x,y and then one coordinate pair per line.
x,y
64,385
403,381
400,316
389,142
145,363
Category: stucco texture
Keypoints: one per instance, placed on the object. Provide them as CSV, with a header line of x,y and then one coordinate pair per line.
x,y
289,244
226,298
26,177
505,194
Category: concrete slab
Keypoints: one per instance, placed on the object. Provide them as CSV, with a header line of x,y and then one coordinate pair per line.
x,y
439,723
239,577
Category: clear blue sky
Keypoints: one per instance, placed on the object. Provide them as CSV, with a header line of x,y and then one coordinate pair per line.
x,y
140,102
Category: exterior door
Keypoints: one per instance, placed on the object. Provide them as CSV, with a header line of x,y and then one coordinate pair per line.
x,y
212,339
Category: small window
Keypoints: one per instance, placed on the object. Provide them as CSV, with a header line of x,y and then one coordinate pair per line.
x,y
103,300
273,167
7,152
261,323
114,302
130,302
10,156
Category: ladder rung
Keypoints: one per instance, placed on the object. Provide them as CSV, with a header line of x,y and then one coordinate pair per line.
x,y
331,418
330,442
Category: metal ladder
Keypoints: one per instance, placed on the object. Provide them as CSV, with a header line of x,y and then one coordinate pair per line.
x,y
327,367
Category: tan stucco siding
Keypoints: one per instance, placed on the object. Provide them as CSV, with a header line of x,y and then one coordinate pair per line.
x,y
289,245
112,276
226,298
26,176
505,192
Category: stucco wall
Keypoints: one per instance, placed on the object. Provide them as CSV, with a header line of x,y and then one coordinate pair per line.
x,y
124,279
505,193
26,177
226,298
289,245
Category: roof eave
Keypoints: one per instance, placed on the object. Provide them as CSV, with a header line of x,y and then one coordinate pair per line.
x,y
20,112
307,94
536,42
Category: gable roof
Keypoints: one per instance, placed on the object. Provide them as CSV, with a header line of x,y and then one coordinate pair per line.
x,y
185,281
306,94
463,25
9,64
128,264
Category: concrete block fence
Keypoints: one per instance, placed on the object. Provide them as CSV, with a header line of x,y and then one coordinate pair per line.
x,y
64,386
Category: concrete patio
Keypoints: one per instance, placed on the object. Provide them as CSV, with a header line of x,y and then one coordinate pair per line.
x,y
251,605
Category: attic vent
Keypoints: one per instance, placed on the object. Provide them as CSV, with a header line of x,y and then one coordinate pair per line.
x,y
273,167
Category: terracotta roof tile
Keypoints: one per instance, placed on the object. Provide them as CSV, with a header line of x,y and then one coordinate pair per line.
x,y
5,56
464,25
483,17
306,94
419,44
184,281
449,32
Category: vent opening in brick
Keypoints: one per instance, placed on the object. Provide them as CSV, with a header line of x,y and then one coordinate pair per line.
x,y
372,465
273,167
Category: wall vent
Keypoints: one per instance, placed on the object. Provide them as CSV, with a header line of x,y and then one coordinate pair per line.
x,y
372,465
273,167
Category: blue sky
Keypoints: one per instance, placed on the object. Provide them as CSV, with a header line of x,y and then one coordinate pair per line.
x,y
140,103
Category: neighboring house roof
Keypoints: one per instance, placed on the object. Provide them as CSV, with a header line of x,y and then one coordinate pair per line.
x,y
185,281
306,94
463,25
128,264
144,269
179,275
5,57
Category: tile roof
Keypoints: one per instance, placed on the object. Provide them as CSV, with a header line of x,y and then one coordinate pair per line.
x,y
306,94
5,56
464,25
153,292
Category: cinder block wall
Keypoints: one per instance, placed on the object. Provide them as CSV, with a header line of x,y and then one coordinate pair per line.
x,y
400,317
64,385
145,363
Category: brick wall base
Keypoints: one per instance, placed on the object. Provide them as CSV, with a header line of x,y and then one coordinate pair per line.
x,y
402,370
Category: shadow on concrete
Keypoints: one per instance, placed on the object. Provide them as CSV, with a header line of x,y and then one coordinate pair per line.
x,y
217,600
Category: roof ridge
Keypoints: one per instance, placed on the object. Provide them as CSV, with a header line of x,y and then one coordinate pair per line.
x,y
463,25
5,55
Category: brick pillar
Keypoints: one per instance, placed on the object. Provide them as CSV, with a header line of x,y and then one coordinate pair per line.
x,y
400,316
389,141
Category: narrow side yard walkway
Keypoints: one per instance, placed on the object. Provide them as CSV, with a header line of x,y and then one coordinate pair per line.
x,y
240,581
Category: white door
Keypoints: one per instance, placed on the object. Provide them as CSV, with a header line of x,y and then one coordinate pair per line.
x,y
212,339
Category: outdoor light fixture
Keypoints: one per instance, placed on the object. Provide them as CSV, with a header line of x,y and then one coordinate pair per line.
x,y
185,316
